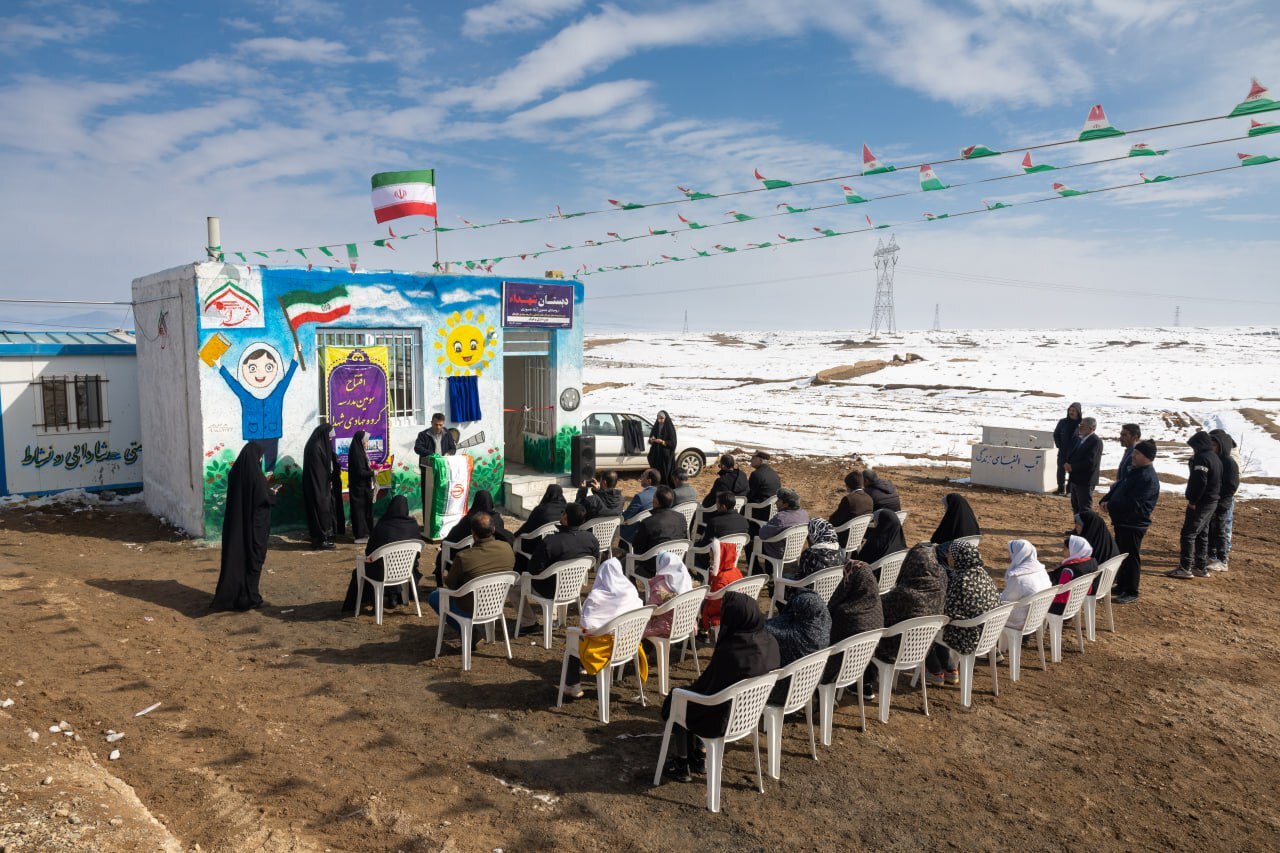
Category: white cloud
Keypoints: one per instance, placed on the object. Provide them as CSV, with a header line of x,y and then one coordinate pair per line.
x,y
214,72
284,49
585,103
503,16
63,26
378,297
303,11
462,294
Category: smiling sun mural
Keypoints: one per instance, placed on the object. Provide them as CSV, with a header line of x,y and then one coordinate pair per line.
x,y
466,344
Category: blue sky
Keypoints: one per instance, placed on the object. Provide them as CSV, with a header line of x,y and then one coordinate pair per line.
x,y
123,125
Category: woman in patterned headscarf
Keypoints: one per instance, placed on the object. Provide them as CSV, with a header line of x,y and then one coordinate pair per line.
x,y
970,593
823,551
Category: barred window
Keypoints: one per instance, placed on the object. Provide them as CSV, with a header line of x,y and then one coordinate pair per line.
x,y
62,396
404,357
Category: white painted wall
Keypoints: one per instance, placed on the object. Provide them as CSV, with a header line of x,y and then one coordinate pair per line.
x,y
171,420
37,460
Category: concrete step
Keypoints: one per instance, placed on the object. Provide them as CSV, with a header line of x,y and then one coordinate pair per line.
x,y
522,491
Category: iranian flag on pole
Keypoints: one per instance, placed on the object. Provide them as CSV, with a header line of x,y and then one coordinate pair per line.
x,y
1096,126
1258,101
1028,168
929,181
870,165
306,306
400,194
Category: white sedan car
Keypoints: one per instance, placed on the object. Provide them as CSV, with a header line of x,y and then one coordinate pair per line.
x,y
692,451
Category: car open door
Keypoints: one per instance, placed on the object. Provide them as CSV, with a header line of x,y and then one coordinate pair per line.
x,y
640,460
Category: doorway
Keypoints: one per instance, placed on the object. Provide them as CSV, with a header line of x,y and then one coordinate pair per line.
x,y
528,421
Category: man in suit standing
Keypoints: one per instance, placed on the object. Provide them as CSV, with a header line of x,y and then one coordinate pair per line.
x,y
1084,464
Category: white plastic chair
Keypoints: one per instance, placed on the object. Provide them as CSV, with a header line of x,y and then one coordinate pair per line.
x,y
854,654
856,527
739,539
397,570
916,637
974,540
751,587
627,631
1106,578
804,674
902,516
684,609
792,540
748,508
524,544
1077,590
992,624
678,547
448,549
687,509
605,529
489,594
824,583
570,577
888,566
746,705
1037,605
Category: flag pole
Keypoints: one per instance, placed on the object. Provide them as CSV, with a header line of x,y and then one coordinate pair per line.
x,y
297,347
435,220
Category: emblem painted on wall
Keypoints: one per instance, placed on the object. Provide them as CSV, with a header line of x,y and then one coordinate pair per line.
x,y
231,301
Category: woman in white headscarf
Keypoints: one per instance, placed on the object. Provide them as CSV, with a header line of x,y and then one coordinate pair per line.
x,y
611,595
1025,576
671,580
1078,562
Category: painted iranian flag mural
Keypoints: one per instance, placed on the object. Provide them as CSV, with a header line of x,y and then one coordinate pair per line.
x,y
305,306
1096,126
400,194
1258,101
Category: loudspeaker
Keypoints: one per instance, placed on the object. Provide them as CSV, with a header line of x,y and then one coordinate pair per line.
x,y
583,459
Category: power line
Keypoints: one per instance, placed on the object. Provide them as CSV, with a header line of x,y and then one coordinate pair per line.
x,y
62,302
646,293
996,281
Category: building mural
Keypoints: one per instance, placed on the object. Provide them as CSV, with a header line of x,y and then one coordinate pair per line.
x,y
272,343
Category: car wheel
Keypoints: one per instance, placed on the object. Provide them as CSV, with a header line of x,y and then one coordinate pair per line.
x,y
690,463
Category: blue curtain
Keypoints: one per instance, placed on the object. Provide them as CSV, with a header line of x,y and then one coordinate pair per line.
x,y
464,398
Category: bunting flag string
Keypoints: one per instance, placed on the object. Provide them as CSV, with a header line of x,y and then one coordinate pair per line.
x,y
928,183
1097,126
827,233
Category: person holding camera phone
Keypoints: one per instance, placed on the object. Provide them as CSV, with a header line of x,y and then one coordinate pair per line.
x,y
600,497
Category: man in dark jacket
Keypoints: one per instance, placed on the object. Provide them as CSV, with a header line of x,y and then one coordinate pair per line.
x,y
884,494
1084,464
664,525
1131,502
761,485
1204,483
680,485
1220,525
567,543
1064,438
724,521
856,502
601,498
1130,434
730,479
487,556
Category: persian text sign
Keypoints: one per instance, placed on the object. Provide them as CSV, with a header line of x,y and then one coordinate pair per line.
x,y
547,306
356,378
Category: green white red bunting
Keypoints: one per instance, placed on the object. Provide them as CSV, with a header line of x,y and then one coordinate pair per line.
x,y
929,181
1257,128
851,196
694,195
973,152
872,166
399,194
1066,191
1258,101
1142,149
1158,179
771,183
1256,159
693,226
1096,126
1028,168
625,205
999,205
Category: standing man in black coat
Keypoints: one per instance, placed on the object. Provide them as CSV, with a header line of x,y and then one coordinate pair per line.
x,y
1064,438
1220,525
1084,464
1131,502
1204,483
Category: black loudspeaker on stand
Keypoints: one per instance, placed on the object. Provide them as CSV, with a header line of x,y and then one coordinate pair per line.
x,y
583,459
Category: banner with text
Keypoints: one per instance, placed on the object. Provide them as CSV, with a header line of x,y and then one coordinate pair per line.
x,y
356,379
544,306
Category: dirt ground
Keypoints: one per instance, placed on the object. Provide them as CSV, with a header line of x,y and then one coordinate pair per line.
x,y
294,729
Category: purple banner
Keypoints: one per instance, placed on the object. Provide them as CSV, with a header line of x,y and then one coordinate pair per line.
x,y
547,306
358,401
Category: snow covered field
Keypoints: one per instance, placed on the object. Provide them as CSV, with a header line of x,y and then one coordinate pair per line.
x,y
758,389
